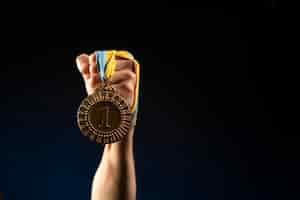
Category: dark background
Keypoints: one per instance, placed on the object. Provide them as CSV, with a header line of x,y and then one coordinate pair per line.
x,y
215,113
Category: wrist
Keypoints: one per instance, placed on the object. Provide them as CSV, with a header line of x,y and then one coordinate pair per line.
x,y
121,149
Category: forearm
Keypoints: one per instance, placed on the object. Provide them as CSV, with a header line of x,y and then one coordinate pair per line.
x,y
115,177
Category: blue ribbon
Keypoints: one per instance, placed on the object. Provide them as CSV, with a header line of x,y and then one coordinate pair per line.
x,y
101,64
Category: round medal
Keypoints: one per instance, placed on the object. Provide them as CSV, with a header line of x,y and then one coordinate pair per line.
x,y
104,116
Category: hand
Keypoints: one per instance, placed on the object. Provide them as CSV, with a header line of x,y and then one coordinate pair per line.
x,y
123,79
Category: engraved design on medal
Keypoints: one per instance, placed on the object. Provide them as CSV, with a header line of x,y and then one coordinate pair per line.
x,y
104,116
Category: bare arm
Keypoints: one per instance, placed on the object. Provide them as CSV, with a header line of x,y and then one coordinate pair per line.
x,y
115,176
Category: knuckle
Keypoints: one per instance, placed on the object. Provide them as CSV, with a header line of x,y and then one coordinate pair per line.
x,y
81,57
128,63
81,61
92,57
128,87
130,75
124,64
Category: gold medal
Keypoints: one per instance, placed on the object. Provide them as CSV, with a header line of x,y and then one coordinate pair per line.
x,y
104,116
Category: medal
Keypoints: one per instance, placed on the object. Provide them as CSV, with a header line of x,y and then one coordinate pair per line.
x,y
105,116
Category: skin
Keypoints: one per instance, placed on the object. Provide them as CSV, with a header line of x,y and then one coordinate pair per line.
x,y
115,176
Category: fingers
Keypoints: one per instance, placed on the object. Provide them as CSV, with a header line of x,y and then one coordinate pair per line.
x,y
87,64
123,75
82,62
124,64
125,82
123,79
92,61
93,82
126,89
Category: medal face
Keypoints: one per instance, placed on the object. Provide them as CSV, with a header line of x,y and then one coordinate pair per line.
x,y
104,116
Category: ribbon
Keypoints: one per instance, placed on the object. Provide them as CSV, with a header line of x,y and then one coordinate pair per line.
x,y
106,64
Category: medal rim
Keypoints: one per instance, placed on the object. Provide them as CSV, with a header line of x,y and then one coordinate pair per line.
x,y
104,137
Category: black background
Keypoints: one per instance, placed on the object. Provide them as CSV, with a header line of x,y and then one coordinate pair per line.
x,y
215,113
